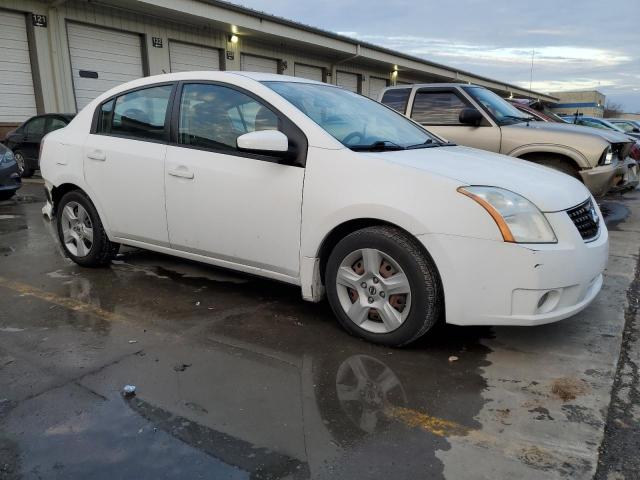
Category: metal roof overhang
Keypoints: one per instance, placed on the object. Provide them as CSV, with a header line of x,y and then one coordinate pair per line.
x,y
260,26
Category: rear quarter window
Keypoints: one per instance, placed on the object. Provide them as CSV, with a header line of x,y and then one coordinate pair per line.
x,y
397,99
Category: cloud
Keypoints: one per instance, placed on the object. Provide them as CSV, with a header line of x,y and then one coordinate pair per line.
x,y
593,45
481,53
565,85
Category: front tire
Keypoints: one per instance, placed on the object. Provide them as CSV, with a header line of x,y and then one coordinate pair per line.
x,y
383,287
81,232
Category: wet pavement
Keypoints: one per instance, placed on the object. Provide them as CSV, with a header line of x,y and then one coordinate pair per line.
x,y
237,377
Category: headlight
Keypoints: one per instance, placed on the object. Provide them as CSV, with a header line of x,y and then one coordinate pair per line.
x,y
608,156
7,158
519,220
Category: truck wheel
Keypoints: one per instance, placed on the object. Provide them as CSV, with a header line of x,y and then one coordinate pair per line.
x,y
383,287
81,232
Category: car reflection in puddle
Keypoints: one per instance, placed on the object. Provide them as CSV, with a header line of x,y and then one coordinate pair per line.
x,y
366,388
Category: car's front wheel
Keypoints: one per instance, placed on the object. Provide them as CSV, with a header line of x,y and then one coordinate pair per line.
x,y
81,232
382,286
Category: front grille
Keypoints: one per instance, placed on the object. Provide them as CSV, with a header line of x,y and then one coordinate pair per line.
x,y
586,219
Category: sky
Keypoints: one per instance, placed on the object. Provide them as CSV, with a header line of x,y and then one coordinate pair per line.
x,y
577,44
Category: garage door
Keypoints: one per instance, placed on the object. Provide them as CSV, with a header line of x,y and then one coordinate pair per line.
x,y
376,85
309,72
347,80
17,97
251,63
102,59
184,57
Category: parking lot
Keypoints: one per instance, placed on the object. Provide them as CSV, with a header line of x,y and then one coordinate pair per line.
x,y
237,377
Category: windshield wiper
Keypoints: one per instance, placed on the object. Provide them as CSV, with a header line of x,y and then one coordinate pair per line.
x,y
430,143
523,119
379,146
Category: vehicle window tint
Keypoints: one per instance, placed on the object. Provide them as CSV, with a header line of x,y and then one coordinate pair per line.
x,y
36,126
213,116
140,114
397,99
55,124
437,108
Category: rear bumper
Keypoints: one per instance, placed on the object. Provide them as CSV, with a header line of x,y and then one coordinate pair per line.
x,y
599,179
488,282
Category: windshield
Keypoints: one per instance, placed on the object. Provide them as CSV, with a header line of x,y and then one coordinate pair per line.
x,y
503,112
356,121
612,126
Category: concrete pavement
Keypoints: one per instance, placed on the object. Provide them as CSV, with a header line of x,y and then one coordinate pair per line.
x,y
237,377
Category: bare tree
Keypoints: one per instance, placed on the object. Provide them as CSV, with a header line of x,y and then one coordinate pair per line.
x,y
612,109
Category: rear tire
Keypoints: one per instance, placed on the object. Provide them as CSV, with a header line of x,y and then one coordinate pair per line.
x,y
373,275
81,232
24,171
7,195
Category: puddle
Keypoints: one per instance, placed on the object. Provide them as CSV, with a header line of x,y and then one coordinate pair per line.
x,y
614,213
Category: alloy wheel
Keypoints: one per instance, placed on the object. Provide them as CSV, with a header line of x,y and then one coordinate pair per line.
x,y
373,290
77,229
20,161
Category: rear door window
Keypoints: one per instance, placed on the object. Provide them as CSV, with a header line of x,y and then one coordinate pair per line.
x,y
397,99
55,123
139,115
437,108
35,127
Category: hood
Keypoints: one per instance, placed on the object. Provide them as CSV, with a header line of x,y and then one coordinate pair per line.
x,y
609,135
548,189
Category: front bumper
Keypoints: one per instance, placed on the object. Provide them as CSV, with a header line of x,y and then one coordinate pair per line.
x,y
9,178
599,179
627,176
487,282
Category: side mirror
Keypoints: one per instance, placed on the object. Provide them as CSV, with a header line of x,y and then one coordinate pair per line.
x,y
268,142
470,116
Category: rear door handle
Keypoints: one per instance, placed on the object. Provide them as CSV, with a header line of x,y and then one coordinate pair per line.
x,y
181,173
98,155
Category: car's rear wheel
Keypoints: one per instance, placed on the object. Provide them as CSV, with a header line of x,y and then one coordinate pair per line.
x,y
81,232
23,170
382,286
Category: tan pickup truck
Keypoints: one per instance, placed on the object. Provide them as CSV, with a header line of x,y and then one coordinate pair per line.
x,y
476,117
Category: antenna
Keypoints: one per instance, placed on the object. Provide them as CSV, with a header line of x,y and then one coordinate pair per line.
x,y
533,52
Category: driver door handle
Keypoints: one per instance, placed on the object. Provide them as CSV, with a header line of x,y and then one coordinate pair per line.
x,y
98,155
181,173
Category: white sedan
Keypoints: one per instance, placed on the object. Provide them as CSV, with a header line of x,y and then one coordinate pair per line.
x,y
313,185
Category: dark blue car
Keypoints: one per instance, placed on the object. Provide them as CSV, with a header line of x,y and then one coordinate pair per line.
x,y
9,174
